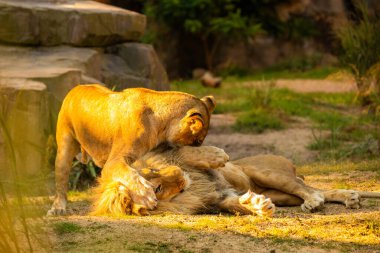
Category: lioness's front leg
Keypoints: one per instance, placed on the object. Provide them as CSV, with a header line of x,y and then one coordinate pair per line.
x,y
206,157
122,190
67,148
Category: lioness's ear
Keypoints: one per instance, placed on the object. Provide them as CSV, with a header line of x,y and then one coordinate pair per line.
x,y
209,102
195,123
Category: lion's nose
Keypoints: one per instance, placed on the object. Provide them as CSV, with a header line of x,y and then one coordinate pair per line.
x,y
197,143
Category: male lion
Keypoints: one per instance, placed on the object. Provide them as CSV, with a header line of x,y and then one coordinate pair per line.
x,y
221,189
116,128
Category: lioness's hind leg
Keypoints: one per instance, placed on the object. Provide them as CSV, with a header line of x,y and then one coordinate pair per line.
x,y
350,198
67,148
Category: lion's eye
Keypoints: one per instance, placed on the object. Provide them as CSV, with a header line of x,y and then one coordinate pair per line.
x,y
158,189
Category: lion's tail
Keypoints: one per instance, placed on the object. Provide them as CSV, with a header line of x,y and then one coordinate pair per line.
x,y
369,194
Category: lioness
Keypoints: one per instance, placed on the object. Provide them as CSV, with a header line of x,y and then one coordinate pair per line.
x,y
116,128
221,189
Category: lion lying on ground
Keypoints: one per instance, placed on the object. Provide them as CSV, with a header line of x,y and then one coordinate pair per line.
x,y
115,129
243,186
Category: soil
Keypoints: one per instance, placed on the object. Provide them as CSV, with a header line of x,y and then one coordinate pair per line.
x,y
291,142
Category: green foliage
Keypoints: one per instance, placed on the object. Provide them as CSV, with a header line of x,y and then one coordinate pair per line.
x,y
209,21
82,176
360,42
361,53
66,227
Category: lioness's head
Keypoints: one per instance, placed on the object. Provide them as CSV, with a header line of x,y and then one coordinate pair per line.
x,y
167,182
192,128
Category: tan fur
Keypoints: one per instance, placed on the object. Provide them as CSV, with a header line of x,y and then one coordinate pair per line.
x,y
116,128
221,189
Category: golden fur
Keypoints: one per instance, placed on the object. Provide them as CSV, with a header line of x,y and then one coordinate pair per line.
x,y
115,129
221,189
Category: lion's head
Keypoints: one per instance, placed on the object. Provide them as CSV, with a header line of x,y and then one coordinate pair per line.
x,y
167,182
192,128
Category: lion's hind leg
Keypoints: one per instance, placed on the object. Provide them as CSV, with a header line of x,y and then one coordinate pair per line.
x,y
350,198
278,173
248,204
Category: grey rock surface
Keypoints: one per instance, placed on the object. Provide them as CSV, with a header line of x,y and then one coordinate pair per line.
x,y
142,60
24,112
78,23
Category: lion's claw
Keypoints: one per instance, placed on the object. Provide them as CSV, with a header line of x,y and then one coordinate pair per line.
x,y
314,203
257,204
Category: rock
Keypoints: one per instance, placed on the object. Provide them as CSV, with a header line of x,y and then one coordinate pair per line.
x,y
118,76
79,23
60,69
209,80
198,73
142,61
25,114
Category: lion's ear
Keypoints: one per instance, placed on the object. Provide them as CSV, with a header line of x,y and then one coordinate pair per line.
x,y
195,123
210,103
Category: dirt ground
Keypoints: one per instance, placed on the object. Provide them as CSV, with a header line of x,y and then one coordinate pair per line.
x,y
291,142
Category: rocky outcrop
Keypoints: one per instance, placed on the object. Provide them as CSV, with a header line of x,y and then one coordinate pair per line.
x,y
24,124
47,47
78,23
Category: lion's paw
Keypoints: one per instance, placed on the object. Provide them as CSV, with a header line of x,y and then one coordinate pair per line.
x,y
139,189
257,204
351,198
58,208
56,212
314,203
208,157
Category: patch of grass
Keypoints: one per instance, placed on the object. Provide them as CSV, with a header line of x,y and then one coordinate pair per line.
x,y
257,121
150,247
66,227
273,74
340,167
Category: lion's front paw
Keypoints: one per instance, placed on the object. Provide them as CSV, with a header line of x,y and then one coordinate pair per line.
x,y
58,208
56,212
140,190
257,204
208,157
314,203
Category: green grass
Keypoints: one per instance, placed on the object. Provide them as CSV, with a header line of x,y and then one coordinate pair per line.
x,y
150,247
257,121
66,227
274,74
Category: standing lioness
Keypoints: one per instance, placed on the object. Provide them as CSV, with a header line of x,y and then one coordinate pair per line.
x,y
116,128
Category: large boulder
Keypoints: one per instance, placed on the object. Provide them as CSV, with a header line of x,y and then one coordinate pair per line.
x,y
24,116
135,63
79,23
